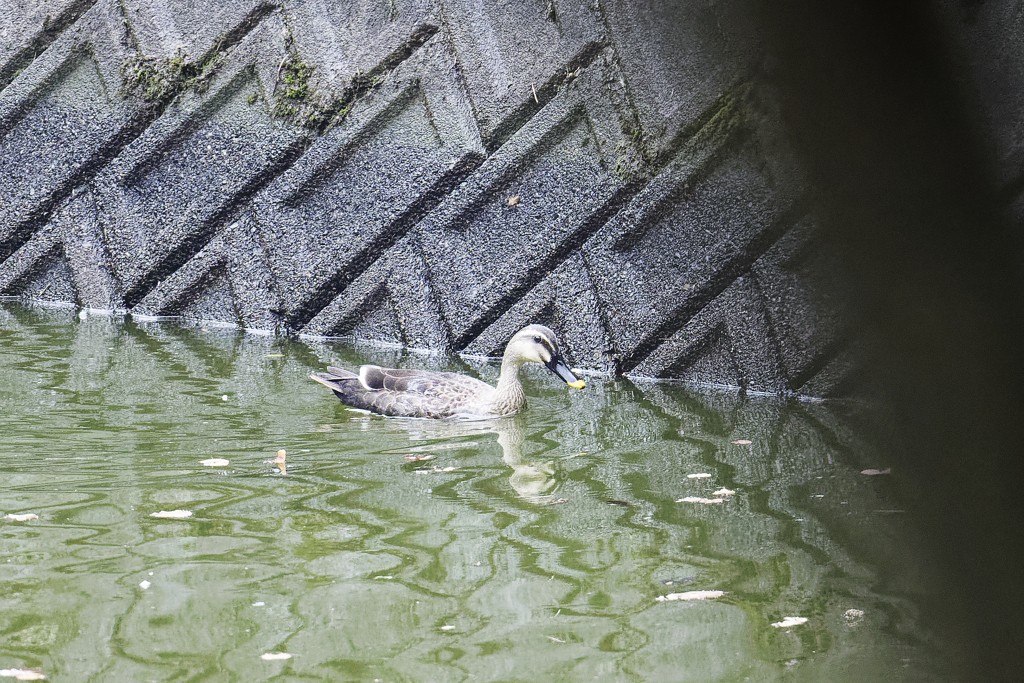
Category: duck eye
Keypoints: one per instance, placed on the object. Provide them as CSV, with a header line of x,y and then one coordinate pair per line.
x,y
537,339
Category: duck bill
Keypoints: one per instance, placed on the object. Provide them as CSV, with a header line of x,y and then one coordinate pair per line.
x,y
558,366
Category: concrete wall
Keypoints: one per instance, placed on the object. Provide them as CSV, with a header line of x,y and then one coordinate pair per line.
x,y
986,53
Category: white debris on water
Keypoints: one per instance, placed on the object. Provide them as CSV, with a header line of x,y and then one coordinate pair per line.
x,y
698,475
215,462
702,501
690,595
145,584
172,514
787,622
723,492
23,674
853,616
21,518
271,656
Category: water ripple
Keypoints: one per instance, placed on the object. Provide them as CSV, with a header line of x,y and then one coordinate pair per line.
x,y
528,548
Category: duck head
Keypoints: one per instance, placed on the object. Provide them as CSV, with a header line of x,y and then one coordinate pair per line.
x,y
538,344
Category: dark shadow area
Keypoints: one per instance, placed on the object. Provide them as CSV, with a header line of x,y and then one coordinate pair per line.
x,y
910,199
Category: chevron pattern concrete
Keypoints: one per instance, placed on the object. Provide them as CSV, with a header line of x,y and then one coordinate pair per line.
x,y
432,174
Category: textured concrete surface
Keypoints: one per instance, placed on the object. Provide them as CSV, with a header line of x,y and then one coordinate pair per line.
x,y
429,174
987,46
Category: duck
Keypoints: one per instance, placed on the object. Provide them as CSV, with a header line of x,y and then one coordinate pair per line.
x,y
439,395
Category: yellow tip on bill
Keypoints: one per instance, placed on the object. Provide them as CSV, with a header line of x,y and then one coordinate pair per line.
x,y
578,384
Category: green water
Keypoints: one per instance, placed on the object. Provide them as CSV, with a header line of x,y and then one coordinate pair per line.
x,y
539,557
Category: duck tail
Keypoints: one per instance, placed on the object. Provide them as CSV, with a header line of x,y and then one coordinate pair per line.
x,y
333,377
341,373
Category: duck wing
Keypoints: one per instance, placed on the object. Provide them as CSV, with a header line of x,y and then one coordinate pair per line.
x,y
408,393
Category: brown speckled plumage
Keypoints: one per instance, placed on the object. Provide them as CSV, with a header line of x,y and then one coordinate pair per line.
x,y
422,393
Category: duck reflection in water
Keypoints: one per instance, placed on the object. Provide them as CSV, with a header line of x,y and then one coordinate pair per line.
x,y
533,480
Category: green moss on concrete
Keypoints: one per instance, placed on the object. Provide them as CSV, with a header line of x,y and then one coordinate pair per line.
x,y
632,164
156,80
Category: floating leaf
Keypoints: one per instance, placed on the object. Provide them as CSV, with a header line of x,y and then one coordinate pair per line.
x,y
21,518
214,462
270,656
172,514
872,472
512,201
698,475
703,501
690,595
742,442
790,621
